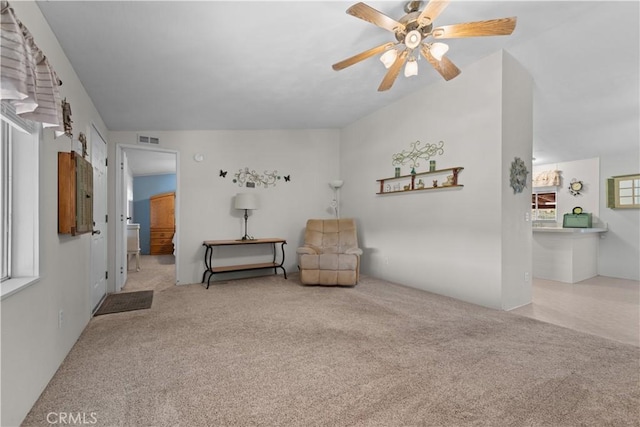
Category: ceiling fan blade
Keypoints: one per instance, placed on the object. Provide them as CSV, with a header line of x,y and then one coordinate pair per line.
x,y
492,27
369,14
393,72
431,11
361,56
445,67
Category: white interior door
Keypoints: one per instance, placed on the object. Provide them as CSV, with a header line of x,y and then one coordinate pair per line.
x,y
99,234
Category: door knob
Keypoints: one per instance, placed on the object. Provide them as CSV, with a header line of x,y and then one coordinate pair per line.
x,y
95,232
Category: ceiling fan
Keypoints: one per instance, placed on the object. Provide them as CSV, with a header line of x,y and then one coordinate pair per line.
x,y
414,33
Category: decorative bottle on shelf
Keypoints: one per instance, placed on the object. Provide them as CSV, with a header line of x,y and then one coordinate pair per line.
x,y
432,165
397,172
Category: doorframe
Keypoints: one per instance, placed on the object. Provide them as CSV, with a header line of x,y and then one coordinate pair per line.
x,y
121,245
93,127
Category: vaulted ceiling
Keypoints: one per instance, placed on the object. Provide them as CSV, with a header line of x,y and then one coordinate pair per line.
x,y
178,65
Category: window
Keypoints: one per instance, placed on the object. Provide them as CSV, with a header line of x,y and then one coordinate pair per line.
x,y
623,191
543,206
19,227
5,162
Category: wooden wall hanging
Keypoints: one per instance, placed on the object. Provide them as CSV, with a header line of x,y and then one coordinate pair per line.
x,y
75,194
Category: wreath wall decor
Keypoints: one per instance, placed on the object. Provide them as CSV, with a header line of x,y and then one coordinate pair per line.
x,y
518,177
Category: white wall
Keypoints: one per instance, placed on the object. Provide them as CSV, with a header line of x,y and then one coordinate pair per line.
x,y
445,241
517,136
206,211
619,249
33,347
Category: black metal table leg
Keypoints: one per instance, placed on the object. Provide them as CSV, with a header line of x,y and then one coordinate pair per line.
x,y
207,263
281,262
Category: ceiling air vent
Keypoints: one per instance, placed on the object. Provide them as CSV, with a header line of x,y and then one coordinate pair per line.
x,y
148,140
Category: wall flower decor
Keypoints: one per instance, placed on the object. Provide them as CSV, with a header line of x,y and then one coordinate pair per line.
x,y
417,152
518,178
250,178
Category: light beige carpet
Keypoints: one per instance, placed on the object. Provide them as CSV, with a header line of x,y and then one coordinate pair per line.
x,y
271,352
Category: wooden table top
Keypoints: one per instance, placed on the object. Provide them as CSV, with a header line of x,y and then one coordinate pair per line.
x,y
243,242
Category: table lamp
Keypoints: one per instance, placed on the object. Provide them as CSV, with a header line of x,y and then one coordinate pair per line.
x,y
246,201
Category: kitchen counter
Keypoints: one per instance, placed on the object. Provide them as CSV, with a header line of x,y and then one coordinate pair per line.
x,y
568,230
567,255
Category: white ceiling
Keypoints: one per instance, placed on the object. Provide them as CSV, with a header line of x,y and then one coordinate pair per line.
x,y
178,65
147,162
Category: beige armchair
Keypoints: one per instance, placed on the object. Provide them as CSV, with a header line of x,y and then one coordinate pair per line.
x,y
330,255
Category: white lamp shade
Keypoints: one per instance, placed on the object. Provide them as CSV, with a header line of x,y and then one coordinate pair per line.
x,y
336,183
411,69
438,50
389,57
246,201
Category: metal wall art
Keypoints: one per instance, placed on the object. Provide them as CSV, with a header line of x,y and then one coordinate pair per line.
x,y
66,118
250,178
518,176
417,152
83,142
575,187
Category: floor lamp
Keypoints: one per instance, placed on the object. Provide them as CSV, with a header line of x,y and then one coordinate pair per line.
x,y
247,202
335,203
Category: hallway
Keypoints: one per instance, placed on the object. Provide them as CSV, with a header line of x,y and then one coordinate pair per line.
x,y
157,272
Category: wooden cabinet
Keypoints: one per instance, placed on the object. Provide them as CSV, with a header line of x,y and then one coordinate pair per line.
x,y
419,181
162,223
75,194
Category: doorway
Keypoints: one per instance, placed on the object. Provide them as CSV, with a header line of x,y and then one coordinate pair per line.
x,y
141,170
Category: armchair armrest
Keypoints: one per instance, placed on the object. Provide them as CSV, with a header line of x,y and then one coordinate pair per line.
x,y
308,250
353,251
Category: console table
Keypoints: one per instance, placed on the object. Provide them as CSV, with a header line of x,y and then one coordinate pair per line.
x,y
211,270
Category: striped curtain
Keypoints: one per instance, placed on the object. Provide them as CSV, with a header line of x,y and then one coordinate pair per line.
x,y
27,80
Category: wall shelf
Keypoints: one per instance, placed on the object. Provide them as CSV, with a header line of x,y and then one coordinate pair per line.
x,y
411,184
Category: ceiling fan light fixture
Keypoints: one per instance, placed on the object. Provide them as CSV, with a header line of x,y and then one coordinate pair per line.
x,y
389,57
413,39
438,50
411,69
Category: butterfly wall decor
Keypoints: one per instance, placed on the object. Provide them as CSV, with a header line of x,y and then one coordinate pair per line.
x,y
223,173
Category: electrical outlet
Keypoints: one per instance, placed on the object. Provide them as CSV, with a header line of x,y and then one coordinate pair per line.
x,y
60,319
527,216
527,277
386,260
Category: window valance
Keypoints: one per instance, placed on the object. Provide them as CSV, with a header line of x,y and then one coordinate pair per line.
x,y
27,80
547,179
